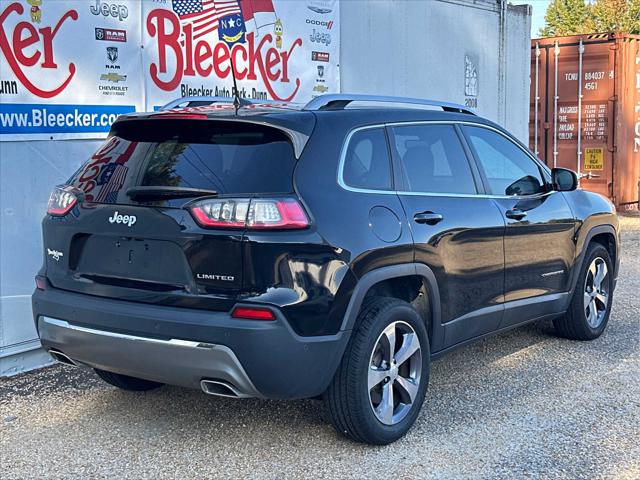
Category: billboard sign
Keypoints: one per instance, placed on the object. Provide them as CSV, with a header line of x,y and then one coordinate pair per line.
x,y
68,68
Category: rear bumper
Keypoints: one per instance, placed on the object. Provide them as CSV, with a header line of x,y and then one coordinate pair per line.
x,y
182,346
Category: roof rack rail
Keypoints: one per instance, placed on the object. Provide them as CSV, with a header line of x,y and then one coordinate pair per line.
x,y
202,101
338,101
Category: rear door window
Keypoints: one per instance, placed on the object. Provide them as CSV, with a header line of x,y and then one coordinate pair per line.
x,y
433,159
228,157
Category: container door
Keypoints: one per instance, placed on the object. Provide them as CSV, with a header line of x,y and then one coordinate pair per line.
x,y
627,162
572,113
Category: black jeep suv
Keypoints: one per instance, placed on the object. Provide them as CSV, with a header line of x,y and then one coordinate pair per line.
x,y
332,250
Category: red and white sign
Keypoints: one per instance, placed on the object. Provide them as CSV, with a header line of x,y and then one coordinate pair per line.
x,y
69,67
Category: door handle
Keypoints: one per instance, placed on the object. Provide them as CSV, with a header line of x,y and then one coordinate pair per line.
x,y
516,214
429,218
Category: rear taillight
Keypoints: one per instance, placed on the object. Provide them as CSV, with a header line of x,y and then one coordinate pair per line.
x,y
254,213
61,201
253,313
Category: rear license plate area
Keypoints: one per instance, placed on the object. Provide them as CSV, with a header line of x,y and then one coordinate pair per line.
x,y
156,261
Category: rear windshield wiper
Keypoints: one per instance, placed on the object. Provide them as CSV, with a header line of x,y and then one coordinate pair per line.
x,y
161,193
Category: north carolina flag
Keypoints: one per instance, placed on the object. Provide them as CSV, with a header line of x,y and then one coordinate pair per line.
x,y
204,15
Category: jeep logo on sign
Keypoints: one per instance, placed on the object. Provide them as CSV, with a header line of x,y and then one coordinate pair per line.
x,y
127,220
116,11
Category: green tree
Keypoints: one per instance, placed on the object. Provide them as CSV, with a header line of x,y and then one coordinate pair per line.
x,y
615,16
565,17
574,17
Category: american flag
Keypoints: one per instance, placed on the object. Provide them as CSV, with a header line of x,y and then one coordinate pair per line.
x,y
109,191
204,15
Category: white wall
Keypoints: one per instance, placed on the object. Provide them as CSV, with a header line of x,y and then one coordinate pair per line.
x,y
28,171
417,48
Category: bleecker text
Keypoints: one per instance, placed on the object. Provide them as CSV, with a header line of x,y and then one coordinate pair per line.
x,y
191,58
23,38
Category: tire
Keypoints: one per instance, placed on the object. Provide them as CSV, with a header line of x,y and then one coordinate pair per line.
x,y
127,383
349,401
579,322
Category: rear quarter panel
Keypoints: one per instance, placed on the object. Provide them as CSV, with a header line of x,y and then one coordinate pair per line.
x,y
343,218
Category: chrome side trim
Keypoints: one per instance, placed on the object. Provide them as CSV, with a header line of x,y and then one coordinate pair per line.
x,y
345,146
551,274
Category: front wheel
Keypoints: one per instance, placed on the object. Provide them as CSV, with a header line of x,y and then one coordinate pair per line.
x,y
590,306
377,392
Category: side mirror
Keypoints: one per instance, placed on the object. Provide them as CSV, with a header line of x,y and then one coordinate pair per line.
x,y
564,180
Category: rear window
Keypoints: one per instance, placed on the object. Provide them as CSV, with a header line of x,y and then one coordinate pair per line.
x,y
228,157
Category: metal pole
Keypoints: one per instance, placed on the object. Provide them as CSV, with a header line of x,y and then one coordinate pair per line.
x,y
143,79
580,52
556,52
502,64
537,100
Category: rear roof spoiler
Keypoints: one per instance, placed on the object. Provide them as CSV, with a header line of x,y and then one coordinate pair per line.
x,y
298,139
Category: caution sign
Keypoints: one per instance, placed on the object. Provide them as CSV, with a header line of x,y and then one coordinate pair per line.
x,y
594,158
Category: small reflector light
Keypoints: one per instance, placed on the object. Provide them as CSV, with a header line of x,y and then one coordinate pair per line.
x,y
253,313
41,282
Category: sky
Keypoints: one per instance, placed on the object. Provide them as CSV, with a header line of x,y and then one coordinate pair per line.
x,y
539,7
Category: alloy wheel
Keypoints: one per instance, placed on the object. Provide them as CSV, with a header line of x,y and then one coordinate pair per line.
x,y
394,373
596,294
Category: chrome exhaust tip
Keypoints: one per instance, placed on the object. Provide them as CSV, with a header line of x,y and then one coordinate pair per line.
x,y
62,358
221,389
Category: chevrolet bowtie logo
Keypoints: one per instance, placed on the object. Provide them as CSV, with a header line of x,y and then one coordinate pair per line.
x,y
113,77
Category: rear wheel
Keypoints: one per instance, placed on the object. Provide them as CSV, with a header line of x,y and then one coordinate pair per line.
x,y
377,392
127,383
590,306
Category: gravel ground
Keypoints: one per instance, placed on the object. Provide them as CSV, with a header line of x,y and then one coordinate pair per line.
x,y
522,404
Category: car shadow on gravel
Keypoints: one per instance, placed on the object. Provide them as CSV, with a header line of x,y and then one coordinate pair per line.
x,y
468,384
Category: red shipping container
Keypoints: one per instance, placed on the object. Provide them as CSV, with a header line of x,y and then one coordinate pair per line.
x,y
585,111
